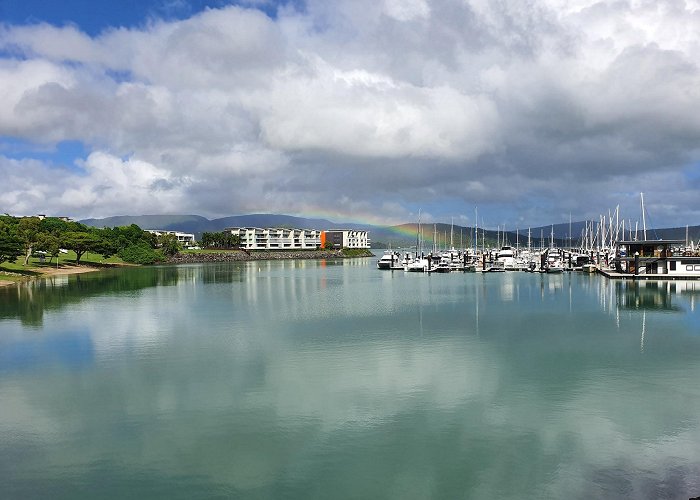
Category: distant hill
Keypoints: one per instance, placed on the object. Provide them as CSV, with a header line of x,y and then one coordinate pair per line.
x,y
402,235
184,223
197,224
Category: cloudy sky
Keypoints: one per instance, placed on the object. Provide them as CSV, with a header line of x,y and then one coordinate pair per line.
x,y
355,110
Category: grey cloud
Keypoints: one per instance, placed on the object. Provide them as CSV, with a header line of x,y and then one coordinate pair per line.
x,y
504,105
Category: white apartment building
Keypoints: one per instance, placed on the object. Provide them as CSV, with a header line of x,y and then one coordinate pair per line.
x,y
276,238
346,238
186,239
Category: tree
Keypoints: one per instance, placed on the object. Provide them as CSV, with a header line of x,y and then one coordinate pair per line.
x,y
49,244
29,230
10,245
140,253
80,243
169,244
105,246
223,239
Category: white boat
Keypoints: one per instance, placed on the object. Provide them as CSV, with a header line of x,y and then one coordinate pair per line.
x,y
387,260
495,267
418,265
440,267
400,265
507,255
589,268
555,261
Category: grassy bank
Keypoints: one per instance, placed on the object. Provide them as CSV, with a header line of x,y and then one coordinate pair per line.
x,y
16,271
357,252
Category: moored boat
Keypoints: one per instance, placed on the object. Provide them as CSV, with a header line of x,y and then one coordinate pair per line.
x,y
387,260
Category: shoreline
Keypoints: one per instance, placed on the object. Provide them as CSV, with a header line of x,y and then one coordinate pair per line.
x,y
47,272
241,256
183,258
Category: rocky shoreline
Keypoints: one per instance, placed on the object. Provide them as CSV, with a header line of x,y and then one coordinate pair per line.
x,y
191,258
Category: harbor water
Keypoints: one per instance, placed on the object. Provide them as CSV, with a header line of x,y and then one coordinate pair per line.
x,y
332,379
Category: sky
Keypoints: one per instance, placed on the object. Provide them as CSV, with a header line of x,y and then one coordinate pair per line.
x,y
352,110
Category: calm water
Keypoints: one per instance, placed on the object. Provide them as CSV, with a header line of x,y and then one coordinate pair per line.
x,y
303,379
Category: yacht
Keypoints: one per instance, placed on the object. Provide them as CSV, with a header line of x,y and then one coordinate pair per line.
x,y
388,259
495,267
418,265
555,261
507,255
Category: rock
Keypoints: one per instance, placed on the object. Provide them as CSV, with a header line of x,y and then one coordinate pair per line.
x,y
186,258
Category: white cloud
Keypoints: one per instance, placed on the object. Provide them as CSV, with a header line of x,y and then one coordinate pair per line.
x,y
407,10
108,183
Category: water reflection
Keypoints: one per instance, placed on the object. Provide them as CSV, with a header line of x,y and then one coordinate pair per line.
x,y
664,296
29,301
320,379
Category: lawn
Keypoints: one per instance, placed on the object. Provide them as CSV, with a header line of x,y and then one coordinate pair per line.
x,y
35,264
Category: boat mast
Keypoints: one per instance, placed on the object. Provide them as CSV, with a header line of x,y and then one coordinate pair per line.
x,y
552,244
418,235
476,229
541,239
435,240
644,220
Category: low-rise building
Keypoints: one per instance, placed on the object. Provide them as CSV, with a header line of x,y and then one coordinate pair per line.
x,y
276,238
345,238
655,259
185,239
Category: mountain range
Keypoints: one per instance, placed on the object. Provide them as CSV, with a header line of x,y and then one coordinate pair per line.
x,y
381,236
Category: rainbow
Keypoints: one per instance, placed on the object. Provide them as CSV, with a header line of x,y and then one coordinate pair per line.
x,y
405,231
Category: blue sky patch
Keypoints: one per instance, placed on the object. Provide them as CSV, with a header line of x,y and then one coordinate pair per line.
x,y
95,16
65,154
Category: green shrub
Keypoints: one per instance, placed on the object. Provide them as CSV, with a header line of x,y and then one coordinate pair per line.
x,y
140,253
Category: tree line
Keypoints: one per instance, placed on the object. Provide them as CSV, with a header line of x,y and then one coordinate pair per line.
x,y
222,239
23,236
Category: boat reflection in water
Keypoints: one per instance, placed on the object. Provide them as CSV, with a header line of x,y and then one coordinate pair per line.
x,y
656,295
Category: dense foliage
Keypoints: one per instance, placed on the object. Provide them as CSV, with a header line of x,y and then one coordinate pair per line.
x,y
169,244
140,253
222,239
11,246
27,235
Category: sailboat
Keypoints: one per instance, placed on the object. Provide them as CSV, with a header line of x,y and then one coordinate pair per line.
x,y
420,263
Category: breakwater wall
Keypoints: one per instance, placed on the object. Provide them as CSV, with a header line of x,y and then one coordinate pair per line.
x,y
187,258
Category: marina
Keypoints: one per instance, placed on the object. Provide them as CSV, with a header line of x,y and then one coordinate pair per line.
x,y
665,261
605,247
